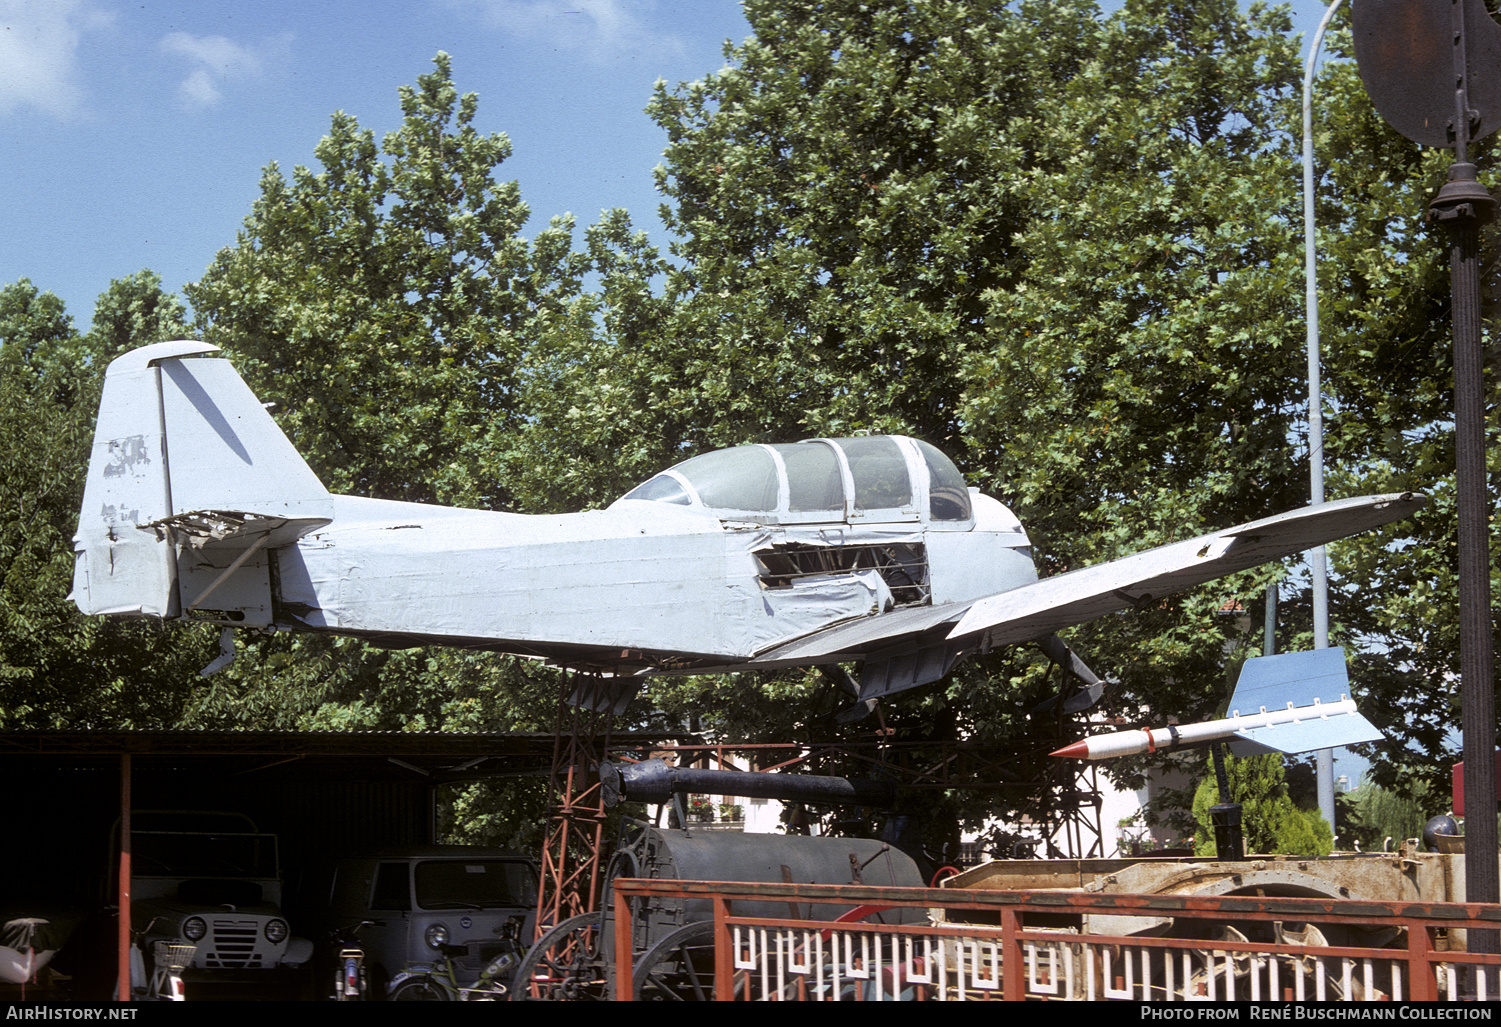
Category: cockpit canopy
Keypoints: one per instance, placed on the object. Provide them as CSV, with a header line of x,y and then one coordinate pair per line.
x,y
879,478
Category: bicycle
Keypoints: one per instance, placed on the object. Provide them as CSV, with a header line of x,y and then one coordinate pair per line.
x,y
438,981
168,960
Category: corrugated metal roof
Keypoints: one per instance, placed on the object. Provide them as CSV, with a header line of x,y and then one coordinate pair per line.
x,y
290,743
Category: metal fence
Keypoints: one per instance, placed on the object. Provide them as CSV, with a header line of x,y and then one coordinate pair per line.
x,y
1033,945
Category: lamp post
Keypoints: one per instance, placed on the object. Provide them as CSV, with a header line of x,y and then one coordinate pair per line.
x,y
1433,70
1324,758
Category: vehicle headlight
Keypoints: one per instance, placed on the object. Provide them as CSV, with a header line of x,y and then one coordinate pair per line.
x,y
276,931
193,928
436,935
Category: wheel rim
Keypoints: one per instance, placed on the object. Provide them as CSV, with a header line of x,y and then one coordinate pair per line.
x,y
424,990
679,967
567,963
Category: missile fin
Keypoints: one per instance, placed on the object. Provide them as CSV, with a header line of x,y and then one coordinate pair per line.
x,y
1296,678
1305,736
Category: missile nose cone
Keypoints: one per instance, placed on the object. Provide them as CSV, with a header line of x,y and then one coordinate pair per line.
x,y
1079,751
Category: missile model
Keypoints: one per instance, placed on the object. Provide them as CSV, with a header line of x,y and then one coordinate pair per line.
x,y
1276,707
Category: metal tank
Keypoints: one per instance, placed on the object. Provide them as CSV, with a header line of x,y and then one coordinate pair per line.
x,y
699,855
672,938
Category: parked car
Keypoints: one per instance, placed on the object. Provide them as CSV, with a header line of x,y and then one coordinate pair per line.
x,y
212,880
420,898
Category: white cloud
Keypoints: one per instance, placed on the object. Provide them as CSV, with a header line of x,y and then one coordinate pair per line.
x,y
38,54
600,29
199,90
215,61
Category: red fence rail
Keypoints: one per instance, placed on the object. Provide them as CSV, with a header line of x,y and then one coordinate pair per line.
x,y
1057,961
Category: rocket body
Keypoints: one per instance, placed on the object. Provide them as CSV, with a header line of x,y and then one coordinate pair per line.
x,y
1255,727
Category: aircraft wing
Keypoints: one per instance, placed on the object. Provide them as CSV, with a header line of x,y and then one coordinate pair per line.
x,y
1038,609
1061,601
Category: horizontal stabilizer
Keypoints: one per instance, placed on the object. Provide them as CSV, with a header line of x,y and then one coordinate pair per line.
x,y
1306,736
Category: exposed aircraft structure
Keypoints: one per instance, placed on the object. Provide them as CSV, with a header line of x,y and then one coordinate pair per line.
x,y
197,507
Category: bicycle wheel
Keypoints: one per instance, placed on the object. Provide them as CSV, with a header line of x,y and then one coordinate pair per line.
x,y
420,989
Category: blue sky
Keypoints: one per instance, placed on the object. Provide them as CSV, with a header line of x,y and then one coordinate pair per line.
x,y
134,134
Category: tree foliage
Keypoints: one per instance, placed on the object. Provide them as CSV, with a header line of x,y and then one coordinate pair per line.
x,y
386,301
1269,819
1377,819
387,304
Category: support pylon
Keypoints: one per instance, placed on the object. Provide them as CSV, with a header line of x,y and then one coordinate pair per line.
x,y
576,812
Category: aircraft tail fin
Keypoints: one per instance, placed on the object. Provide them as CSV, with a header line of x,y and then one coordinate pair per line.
x,y
189,482
1298,680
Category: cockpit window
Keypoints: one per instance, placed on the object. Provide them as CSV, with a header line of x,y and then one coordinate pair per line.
x,y
814,484
948,496
809,483
664,488
880,472
744,478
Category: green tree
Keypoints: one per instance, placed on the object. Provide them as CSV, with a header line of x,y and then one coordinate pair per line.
x,y
1375,818
389,307
845,192
133,311
1269,820
386,302
1056,245
605,396
33,324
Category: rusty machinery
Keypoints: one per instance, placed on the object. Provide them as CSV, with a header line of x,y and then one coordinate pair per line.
x,y
1066,794
673,938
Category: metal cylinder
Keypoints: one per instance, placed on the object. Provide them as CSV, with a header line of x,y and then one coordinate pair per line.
x,y
671,854
655,782
1229,841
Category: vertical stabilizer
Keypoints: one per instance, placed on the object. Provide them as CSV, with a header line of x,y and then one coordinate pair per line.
x,y
119,568
190,482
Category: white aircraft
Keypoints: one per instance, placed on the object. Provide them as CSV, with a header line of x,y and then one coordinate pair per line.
x,y
821,552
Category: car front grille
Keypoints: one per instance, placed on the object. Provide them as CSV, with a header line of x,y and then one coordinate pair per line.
x,y
232,943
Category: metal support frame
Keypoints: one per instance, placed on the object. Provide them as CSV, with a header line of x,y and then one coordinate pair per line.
x,y
576,813
1078,819
571,853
